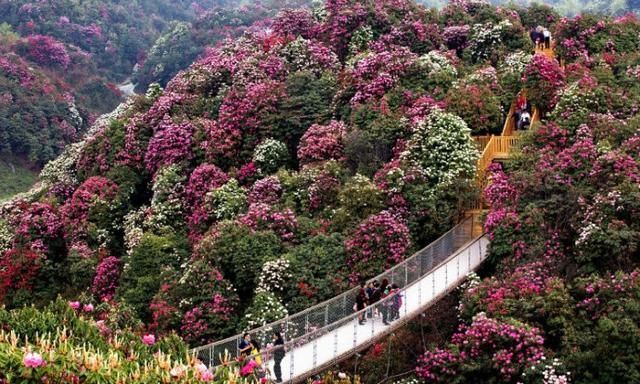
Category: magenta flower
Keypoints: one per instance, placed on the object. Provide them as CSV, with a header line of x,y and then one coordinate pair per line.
x,y
33,360
149,339
248,369
74,305
88,308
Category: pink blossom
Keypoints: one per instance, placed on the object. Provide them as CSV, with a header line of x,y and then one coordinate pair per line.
x,y
149,339
33,360
74,305
88,308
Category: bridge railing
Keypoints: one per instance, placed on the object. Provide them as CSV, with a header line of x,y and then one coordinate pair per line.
x,y
303,327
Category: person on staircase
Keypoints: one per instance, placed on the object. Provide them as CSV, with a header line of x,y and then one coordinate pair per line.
x,y
278,355
546,34
525,120
540,37
361,303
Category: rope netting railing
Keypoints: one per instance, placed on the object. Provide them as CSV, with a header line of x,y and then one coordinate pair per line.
x,y
303,327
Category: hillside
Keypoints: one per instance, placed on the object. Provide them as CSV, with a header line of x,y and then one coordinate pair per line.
x,y
290,163
61,63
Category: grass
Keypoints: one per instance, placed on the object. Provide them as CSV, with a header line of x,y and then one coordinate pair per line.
x,y
14,179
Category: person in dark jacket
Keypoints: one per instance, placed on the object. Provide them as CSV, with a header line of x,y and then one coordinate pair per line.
x,y
245,345
361,303
278,355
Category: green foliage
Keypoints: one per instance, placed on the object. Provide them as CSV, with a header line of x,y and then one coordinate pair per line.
x,y
442,148
317,269
228,201
141,276
309,103
359,199
239,254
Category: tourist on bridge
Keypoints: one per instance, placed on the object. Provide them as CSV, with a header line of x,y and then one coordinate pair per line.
x,y
386,304
396,302
375,297
255,353
369,291
278,355
361,303
245,345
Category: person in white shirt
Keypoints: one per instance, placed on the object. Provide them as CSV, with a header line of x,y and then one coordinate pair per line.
x,y
547,38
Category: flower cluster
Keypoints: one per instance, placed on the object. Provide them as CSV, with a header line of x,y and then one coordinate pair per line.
x,y
265,217
309,55
380,71
500,192
442,147
506,349
266,308
267,191
274,275
46,50
93,192
379,242
543,78
170,144
322,142
270,155
105,282
227,201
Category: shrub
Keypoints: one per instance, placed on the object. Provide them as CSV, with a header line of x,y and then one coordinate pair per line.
x,y
141,275
442,147
270,155
379,242
543,79
322,142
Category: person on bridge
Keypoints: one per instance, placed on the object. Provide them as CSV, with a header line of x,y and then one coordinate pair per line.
x,y
369,291
245,345
255,353
278,355
375,297
361,303
396,302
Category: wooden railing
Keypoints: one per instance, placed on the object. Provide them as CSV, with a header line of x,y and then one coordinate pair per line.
x,y
497,147
482,141
535,118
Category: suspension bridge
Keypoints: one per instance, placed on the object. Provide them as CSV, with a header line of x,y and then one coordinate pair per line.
x,y
327,333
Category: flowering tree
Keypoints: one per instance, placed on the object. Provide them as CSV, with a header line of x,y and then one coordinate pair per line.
x,y
105,282
267,190
442,147
485,349
263,216
379,242
543,79
322,142
46,50
91,202
170,143
203,179
270,155
380,71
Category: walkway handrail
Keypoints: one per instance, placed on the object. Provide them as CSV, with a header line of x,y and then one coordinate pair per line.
x,y
336,309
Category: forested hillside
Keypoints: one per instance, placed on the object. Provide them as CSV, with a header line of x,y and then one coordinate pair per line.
x,y
312,152
62,62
